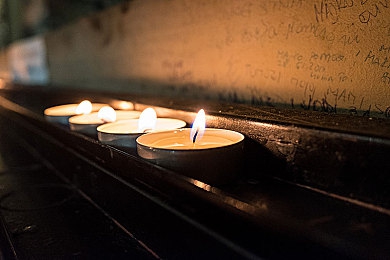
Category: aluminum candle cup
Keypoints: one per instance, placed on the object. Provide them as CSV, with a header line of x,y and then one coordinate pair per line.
x,y
88,123
61,114
124,133
215,159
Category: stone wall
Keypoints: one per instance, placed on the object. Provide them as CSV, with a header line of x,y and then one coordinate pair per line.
x,y
319,55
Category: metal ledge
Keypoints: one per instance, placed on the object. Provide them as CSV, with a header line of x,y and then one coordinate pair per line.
x,y
285,198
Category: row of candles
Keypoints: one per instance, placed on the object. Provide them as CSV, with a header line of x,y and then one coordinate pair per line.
x,y
209,155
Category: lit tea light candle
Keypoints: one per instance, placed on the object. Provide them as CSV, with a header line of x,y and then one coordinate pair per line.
x,y
88,123
61,114
210,155
123,133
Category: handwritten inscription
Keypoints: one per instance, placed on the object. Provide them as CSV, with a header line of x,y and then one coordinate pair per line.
x,y
328,100
373,10
385,49
315,64
330,10
244,9
334,56
309,88
349,39
320,32
176,71
259,33
327,57
386,78
383,110
264,30
382,62
257,72
259,97
282,5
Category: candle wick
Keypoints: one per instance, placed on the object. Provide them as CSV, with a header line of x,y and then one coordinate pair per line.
x,y
195,135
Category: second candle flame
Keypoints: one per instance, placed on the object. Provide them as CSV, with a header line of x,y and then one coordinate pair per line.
x,y
85,107
147,120
198,127
107,114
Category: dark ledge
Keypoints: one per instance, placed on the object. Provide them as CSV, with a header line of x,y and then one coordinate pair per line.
x,y
312,185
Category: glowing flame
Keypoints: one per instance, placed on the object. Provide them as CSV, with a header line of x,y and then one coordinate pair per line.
x,y
147,120
2,83
123,105
198,126
107,114
85,107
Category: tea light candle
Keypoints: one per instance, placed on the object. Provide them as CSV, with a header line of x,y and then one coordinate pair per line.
x,y
88,123
60,114
123,133
210,155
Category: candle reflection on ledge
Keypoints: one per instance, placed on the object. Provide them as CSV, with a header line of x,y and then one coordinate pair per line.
x,y
240,205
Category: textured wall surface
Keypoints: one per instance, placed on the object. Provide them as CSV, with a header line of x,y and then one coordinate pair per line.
x,y
320,55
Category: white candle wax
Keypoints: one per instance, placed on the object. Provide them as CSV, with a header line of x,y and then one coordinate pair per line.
x,y
125,132
61,113
215,158
88,123
179,140
179,144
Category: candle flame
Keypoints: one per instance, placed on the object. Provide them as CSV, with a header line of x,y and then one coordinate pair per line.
x,y
198,127
147,120
85,107
123,105
107,114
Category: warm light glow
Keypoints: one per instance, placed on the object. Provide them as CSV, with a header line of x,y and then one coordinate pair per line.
x,y
202,185
198,126
85,107
2,83
107,114
147,120
123,105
